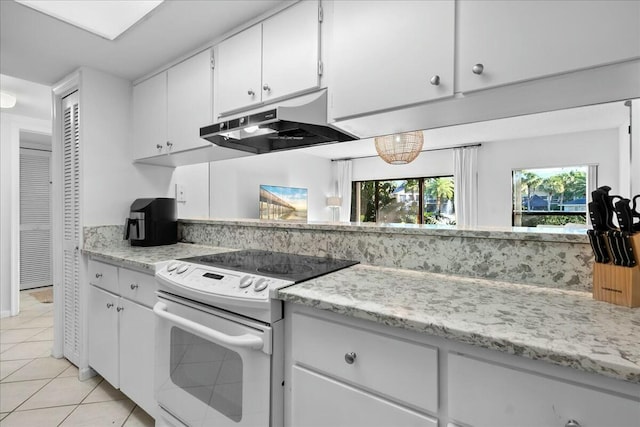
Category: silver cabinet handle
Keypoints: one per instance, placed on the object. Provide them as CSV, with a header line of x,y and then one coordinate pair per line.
x,y
134,286
266,88
169,144
98,275
119,309
109,304
250,92
572,423
159,146
477,69
435,80
350,358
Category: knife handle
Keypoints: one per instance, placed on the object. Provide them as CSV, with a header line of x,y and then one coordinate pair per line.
x,y
624,214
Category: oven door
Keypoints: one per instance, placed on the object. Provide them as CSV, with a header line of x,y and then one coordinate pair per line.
x,y
212,368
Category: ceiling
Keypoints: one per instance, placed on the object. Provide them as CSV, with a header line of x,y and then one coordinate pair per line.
x,y
594,117
42,49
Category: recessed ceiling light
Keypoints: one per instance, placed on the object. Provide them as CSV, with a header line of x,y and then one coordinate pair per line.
x,y
7,100
106,18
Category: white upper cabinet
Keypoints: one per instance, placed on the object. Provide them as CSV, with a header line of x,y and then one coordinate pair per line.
x,y
511,41
290,51
170,108
388,54
189,94
150,117
239,67
271,60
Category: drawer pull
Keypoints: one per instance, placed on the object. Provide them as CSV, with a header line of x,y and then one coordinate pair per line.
x,y
109,304
134,286
572,423
119,309
350,358
98,275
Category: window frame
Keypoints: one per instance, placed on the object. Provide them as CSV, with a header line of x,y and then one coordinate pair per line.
x,y
356,204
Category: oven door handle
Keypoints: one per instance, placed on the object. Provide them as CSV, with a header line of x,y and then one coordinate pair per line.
x,y
244,341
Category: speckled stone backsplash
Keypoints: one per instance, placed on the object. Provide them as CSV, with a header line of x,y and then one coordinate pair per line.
x,y
548,260
104,236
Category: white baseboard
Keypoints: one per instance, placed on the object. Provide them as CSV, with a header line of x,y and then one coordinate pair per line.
x,y
5,313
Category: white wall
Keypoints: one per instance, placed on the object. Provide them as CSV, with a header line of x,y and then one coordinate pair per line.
x,y
195,181
111,182
429,163
497,159
235,183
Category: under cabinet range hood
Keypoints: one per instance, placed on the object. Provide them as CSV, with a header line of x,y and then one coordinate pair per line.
x,y
286,126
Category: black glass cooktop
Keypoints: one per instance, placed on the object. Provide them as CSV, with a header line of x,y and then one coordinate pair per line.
x,y
279,265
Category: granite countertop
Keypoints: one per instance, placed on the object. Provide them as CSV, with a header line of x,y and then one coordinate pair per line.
x,y
542,234
562,327
149,258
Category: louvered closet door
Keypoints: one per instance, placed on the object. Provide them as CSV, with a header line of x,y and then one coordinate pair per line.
x,y
35,219
71,227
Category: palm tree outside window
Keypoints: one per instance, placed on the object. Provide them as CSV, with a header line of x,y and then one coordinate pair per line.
x,y
425,200
550,196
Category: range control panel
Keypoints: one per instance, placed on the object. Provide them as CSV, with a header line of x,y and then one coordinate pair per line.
x,y
217,281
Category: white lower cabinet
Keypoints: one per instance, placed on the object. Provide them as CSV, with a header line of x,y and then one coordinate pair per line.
x,y
348,376
342,371
482,393
103,334
121,337
320,401
137,353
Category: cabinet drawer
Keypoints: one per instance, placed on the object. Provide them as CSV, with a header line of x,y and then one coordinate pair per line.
x,y
393,367
320,401
103,275
138,287
486,394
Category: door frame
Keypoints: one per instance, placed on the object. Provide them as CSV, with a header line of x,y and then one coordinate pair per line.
x,y
11,194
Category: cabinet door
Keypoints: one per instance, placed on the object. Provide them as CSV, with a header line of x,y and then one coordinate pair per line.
x,y
385,53
320,401
137,354
150,117
239,66
521,40
189,101
484,394
290,51
103,334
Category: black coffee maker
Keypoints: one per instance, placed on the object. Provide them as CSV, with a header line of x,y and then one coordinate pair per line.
x,y
152,222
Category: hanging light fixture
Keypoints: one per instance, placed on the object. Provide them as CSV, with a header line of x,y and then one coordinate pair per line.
x,y
401,148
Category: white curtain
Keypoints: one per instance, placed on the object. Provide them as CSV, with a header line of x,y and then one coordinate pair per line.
x,y
465,179
342,175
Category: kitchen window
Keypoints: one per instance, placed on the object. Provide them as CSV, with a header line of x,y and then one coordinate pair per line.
x,y
550,196
426,200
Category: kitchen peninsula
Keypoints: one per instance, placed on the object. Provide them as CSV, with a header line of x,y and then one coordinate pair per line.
x,y
557,327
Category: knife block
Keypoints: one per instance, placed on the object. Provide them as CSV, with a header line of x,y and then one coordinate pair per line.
x,y
616,284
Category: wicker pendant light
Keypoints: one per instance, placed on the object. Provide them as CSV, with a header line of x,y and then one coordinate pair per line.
x,y
401,148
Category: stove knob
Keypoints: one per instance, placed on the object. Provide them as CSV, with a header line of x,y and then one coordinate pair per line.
x,y
260,284
172,266
246,281
182,268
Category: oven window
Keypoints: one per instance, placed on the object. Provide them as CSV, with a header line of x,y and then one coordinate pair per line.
x,y
207,371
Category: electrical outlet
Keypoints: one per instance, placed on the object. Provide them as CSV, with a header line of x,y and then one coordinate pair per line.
x,y
181,196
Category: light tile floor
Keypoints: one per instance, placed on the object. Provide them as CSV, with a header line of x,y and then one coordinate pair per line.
x,y
39,390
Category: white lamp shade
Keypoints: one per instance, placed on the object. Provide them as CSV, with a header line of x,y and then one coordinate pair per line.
x,y
7,100
334,201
